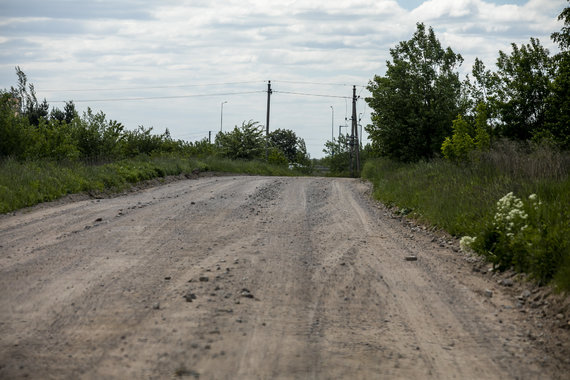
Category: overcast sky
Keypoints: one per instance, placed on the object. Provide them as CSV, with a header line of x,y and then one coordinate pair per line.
x,y
190,56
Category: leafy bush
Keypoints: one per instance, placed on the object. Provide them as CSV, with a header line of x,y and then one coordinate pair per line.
x,y
243,143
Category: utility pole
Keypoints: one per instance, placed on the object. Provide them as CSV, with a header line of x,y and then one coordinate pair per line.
x,y
355,141
267,120
210,137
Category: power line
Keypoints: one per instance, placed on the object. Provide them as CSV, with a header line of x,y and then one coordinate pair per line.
x,y
158,97
315,83
150,87
307,94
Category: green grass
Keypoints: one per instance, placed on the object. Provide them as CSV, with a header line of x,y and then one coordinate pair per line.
x,y
462,199
24,184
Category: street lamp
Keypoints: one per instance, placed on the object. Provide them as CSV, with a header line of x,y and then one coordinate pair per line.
x,y
332,124
222,115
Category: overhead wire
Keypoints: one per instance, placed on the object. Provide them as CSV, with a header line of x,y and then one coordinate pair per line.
x,y
158,97
315,83
307,94
151,87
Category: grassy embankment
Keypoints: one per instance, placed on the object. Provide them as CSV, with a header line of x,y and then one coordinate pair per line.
x,y
530,233
27,183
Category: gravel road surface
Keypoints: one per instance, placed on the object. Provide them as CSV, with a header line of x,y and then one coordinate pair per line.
x,y
251,278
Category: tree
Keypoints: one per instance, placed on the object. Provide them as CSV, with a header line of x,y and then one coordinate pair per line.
x,y
482,91
338,154
292,147
15,130
467,136
97,137
562,38
415,103
558,110
26,95
524,85
245,142
67,115
286,141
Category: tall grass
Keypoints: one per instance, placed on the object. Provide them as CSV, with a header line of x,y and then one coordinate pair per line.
x,y
27,183
462,199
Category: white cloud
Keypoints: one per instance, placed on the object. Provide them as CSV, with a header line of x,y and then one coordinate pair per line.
x,y
141,43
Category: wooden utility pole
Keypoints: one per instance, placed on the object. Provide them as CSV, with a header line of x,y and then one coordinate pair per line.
x,y
355,124
354,137
267,120
355,142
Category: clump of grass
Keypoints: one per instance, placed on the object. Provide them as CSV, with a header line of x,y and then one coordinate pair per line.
x,y
462,199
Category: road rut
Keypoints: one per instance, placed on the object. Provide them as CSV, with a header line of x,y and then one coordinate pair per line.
x,y
247,278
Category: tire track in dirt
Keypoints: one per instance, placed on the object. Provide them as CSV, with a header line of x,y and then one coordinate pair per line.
x,y
246,277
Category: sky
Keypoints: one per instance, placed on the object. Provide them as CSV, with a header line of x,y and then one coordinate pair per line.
x,y
173,64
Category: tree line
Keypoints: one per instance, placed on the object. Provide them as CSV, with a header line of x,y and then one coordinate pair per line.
x,y
30,131
421,108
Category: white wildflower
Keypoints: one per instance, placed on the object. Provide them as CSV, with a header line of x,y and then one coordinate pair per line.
x,y
466,242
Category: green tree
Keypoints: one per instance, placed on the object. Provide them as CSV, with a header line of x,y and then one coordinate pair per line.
x,y
286,141
98,138
558,112
524,85
246,142
482,92
28,102
338,154
67,115
458,146
467,136
292,147
415,103
15,131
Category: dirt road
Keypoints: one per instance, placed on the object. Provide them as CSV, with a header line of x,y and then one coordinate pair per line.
x,y
250,278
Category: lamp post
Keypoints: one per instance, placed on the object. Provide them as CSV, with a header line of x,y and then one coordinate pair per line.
x,y
222,115
332,124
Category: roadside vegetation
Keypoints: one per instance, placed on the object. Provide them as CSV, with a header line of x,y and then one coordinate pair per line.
x,y
45,154
486,158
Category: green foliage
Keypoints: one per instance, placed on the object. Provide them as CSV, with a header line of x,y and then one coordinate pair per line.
x,y
285,140
462,199
277,157
461,143
467,138
558,112
242,143
562,38
521,237
482,130
26,132
27,101
524,85
415,102
15,130
338,155
26,183
291,148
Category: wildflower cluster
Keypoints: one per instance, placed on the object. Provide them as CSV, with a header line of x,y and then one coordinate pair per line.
x,y
466,243
514,236
511,217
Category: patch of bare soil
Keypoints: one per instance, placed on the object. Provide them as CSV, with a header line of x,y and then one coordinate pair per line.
x,y
260,277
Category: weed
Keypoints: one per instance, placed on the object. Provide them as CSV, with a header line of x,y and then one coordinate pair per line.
x,y
510,205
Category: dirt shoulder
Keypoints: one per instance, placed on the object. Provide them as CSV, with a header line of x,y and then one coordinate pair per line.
x,y
260,277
